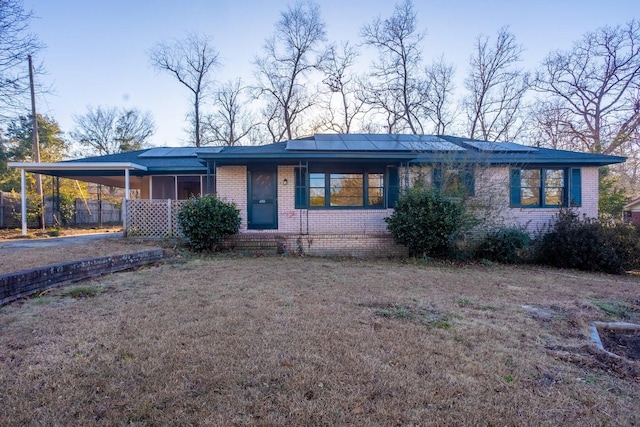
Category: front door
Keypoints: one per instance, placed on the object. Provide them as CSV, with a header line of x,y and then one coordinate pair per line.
x,y
262,200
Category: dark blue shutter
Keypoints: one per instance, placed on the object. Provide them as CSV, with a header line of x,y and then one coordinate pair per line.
x,y
300,178
575,187
393,186
514,184
437,177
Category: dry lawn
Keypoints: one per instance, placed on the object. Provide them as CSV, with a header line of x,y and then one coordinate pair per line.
x,y
294,341
22,259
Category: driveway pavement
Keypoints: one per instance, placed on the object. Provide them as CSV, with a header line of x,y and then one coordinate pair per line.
x,y
20,244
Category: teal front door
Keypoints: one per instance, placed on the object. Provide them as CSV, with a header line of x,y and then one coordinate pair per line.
x,y
262,200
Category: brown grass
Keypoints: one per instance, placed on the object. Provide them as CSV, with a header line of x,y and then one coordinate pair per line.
x,y
22,259
290,341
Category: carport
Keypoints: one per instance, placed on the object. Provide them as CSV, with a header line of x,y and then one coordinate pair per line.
x,y
116,174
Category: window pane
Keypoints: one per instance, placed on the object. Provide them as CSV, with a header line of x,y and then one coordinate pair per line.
x,y
188,186
316,189
375,197
530,196
530,187
346,189
554,187
376,189
163,187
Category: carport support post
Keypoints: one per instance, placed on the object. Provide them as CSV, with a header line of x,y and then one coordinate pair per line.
x,y
23,200
126,198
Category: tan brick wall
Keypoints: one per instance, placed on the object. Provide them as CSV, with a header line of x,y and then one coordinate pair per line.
x,y
491,201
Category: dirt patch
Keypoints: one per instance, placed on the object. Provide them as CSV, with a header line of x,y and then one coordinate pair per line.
x,y
624,343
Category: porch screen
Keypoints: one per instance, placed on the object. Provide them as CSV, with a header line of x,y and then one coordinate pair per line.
x,y
163,187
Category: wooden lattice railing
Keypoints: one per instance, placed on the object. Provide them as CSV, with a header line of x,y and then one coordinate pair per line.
x,y
153,218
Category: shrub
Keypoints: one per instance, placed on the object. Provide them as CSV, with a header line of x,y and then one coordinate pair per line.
x,y
578,243
206,220
505,245
425,221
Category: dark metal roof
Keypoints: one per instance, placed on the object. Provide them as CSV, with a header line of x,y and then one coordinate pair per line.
x,y
378,148
403,148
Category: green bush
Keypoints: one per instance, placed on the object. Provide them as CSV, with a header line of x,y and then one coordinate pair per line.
x,y
425,221
505,245
580,243
206,220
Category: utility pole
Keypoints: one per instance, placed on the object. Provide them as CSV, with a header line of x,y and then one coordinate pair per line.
x,y
36,144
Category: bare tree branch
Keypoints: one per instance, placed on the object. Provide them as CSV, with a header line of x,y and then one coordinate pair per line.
x,y
596,85
109,130
396,87
291,54
190,61
496,88
231,123
16,44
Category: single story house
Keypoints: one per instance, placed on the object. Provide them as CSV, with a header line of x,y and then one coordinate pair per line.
x,y
330,193
631,211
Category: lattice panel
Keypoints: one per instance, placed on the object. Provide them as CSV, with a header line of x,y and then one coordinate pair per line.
x,y
175,208
150,218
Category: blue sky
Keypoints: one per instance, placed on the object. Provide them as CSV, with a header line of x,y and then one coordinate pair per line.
x,y
97,51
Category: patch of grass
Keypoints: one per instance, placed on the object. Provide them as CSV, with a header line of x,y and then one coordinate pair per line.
x,y
618,309
82,291
411,312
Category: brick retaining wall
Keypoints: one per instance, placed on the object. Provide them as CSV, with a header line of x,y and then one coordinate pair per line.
x,y
27,282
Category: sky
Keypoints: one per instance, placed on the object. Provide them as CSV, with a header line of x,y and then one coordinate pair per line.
x,y
97,52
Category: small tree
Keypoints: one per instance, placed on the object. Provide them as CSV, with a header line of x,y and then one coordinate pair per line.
x,y
206,220
425,221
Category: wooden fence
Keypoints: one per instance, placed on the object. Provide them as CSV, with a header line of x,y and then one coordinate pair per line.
x,y
86,212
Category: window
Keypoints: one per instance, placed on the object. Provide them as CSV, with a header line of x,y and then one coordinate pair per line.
x,y
545,187
188,186
163,187
334,188
177,187
454,181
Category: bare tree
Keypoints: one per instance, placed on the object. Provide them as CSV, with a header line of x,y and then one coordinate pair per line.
x,y
343,105
16,44
396,85
548,126
109,130
596,85
439,91
291,54
191,61
231,123
494,104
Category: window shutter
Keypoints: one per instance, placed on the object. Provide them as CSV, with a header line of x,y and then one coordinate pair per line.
x,y
514,181
393,186
437,177
300,178
575,187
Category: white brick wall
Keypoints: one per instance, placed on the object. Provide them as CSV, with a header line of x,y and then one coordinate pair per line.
x,y
492,189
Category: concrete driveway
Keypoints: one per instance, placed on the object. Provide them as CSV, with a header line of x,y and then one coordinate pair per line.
x,y
20,244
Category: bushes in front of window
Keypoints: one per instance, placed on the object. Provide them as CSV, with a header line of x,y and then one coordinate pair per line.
x,y
425,221
206,220
589,244
505,245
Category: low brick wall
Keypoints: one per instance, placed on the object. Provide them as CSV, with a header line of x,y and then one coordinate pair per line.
x,y
354,245
26,282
